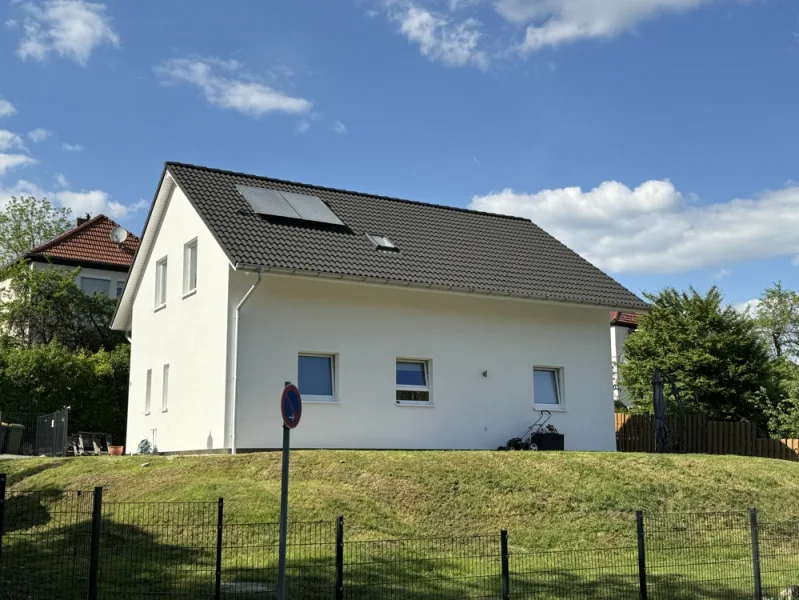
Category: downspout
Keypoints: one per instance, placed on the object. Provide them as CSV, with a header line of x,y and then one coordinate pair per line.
x,y
236,358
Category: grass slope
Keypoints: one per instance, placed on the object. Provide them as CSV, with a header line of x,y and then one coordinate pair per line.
x,y
547,501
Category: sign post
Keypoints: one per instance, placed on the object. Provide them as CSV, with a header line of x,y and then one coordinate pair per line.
x,y
291,409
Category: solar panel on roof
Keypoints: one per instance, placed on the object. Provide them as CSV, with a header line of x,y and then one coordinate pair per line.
x,y
303,207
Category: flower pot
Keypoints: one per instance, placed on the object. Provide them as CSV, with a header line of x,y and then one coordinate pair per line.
x,y
116,450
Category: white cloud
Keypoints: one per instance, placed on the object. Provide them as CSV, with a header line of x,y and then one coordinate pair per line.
x,y
303,126
795,261
72,147
9,161
39,135
11,23
722,273
61,180
340,128
71,28
10,140
6,108
440,39
92,201
557,22
750,306
654,229
226,85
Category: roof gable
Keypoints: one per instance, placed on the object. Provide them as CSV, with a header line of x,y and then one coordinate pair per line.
x,y
439,246
89,243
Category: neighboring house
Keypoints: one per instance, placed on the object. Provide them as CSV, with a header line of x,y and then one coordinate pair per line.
x,y
104,264
622,324
404,324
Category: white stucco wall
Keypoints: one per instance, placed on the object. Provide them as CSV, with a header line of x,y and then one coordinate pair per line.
x,y
189,334
618,336
368,326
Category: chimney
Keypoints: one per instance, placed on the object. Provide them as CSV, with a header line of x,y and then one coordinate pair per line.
x,y
81,220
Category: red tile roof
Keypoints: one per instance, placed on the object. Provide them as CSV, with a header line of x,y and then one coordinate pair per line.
x,y
624,319
89,242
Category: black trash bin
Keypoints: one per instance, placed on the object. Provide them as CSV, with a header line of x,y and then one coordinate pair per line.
x,y
14,438
3,430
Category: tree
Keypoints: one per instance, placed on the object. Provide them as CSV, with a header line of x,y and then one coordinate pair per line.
x,y
42,305
713,352
27,222
777,316
784,421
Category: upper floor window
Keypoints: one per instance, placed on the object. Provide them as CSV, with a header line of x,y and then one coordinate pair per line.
x,y
190,267
95,285
120,288
160,283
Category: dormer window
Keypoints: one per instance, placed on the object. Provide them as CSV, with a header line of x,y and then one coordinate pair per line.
x,y
381,242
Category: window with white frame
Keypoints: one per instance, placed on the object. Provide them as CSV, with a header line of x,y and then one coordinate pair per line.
x,y
413,381
165,389
148,392
547,387
316,377
190,267
160,283
95,285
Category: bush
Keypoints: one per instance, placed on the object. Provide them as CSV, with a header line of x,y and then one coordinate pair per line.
x,y
49,377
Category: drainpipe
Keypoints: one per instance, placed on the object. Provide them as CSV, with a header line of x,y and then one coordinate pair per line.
x,y
236,358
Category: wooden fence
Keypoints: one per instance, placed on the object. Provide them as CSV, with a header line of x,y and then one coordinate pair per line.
x,y
696,434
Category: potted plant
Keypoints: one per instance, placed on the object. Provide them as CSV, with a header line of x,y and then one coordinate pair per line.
x,y
548,438
116,450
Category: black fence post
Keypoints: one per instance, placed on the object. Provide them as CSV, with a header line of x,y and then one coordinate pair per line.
x,y
503,544
340,558
2,510
755,553
219,523
94,560
639,523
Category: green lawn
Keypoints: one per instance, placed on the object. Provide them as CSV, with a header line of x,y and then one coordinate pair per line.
x,y
570,518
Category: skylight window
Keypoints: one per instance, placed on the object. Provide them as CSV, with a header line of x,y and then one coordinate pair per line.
x,y
381,242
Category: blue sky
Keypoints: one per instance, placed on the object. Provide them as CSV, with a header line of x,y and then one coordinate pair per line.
x,y
658,138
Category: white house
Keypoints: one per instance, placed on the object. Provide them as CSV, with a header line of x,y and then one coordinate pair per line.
x,y
404,324
103,263
621,326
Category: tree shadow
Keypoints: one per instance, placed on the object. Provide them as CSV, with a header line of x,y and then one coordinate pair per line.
x,y
19,476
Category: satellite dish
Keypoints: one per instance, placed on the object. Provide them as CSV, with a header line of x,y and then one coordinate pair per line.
x,y
119,235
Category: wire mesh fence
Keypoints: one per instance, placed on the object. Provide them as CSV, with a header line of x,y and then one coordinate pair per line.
x,y
434,568
69,545
46,540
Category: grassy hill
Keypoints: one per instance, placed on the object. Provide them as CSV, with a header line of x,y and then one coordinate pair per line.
x,y
547,501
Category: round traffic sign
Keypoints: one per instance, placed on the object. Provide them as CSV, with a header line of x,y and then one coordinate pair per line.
x,y
291,406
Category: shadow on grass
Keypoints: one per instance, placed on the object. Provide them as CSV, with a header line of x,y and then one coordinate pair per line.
x,y
19,476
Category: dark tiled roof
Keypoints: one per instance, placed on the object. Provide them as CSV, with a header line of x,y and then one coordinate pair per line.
x,y
89,242
440,246
624,319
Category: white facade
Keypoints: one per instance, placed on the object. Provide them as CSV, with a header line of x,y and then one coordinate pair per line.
x,y
480,352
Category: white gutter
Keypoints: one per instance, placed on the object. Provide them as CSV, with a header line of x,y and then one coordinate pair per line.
x,y
236,358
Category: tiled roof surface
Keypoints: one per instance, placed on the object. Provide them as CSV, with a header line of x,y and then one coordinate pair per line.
x,y
623,318
89,242
440,246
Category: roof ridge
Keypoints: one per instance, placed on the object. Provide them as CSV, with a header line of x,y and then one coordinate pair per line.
x,y
343,191
67,234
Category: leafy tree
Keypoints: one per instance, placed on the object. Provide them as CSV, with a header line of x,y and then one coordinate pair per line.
x,y
48,377
777,316
713,352
26,222
784,421
44,304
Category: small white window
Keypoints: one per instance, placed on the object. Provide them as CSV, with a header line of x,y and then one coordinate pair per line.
x,y
165,389
120,288
547,389
413,382
190,267
316,377
148,392
160,283
95,285
381,241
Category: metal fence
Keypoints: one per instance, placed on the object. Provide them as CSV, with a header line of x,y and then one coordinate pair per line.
x,y
58,545
42,435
